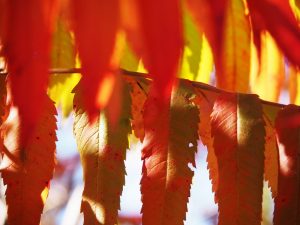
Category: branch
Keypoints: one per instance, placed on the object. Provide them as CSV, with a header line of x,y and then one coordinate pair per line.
x,y
200,85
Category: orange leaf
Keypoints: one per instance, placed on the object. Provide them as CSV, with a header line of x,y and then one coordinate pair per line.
x,y
169,147
27,170
138,96
27,36
238,132
271,149
205,101
96,23
287,202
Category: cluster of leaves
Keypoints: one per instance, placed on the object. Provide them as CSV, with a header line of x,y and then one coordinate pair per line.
x,y
246,41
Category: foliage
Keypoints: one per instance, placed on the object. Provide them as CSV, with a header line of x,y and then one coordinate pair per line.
x,y
244,44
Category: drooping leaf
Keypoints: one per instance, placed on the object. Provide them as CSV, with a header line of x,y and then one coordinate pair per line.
x,y
271,149
102,151
228,31
205,101
168,149
163,52
27,170
197,60
210,17
287,202
138,96
233,72
277,17
239,138
267,76
27,35
63,55
95,26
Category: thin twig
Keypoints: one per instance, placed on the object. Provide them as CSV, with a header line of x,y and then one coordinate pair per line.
x,y
144,75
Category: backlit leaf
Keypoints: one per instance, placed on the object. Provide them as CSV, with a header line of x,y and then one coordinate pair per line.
x,y
95,26
63,56
233,72
271,149
239,138
26,42
138,96
267,76
197,60
276,16
205,101
102,149
168,152
287,202
163,52
27,170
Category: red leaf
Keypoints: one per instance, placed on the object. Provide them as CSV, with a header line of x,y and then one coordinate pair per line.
x,y
95,25
169,147
287,202
27,170
277,17
162,33
27,36
239,138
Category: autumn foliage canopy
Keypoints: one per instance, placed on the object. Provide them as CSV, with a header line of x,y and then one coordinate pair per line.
x,y
116,65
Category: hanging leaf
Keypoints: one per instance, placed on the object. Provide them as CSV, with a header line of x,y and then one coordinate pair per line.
x,y
102,151
168,149
27,170
233,72
267,76
287,202
163,52
95,26
210,17
205,101
63,56
277,17
197,60
138,96
271,149
238,132
26,42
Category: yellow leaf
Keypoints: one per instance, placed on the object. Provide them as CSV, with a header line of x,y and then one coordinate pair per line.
x,y
102,151
267,77
294,85
197,60
63,56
